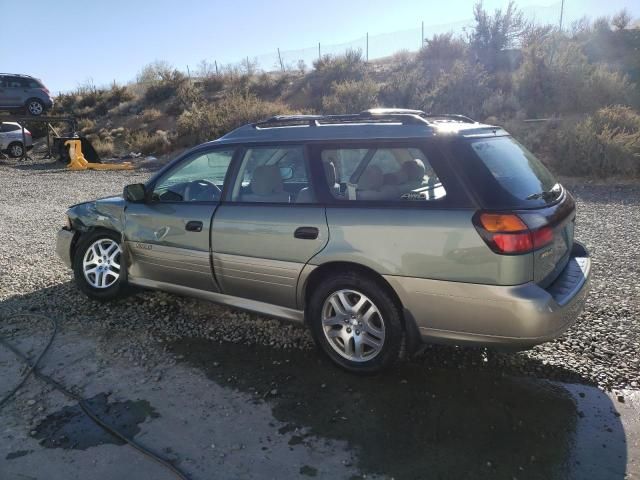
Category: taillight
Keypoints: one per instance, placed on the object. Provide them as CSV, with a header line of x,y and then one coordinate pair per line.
x,y
45,90
507,234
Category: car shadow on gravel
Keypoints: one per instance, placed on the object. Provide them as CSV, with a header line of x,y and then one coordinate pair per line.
x,y
416,421
450,413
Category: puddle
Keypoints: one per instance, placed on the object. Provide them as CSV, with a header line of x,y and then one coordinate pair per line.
x,y
70,428
17,454
410,422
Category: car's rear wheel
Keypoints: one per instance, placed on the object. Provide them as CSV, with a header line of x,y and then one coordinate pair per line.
x,y
98,265
356,322
15,149
35,107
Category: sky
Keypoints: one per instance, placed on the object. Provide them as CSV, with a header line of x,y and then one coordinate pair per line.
x,y
111,40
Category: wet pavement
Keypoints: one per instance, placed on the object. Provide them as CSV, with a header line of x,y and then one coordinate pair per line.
x,y
71,428
412,422
232,411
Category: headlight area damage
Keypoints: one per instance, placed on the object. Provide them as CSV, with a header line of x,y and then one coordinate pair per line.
x,y
105,213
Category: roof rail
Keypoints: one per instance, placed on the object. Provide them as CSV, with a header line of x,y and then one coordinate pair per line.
x,y
405,117
392,111
448,117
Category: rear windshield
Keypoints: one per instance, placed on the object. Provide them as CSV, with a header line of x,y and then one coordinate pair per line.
x,y
504,174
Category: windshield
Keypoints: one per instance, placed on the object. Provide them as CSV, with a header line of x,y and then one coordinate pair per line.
x,y
506,175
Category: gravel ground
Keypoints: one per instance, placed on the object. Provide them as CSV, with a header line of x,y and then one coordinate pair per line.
x,y
603,348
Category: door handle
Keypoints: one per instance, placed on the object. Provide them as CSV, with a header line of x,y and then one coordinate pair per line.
x,y
193,226
306,233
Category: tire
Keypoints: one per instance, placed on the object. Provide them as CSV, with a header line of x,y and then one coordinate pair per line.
x,y
15,149
95,250
331,322
34,107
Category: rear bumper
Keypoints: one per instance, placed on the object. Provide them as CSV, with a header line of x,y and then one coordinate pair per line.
x,y
64,241
518,316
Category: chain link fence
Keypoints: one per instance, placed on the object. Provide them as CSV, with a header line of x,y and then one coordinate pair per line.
x,y
372,47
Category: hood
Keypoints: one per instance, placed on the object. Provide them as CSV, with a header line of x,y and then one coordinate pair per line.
x,y
104,212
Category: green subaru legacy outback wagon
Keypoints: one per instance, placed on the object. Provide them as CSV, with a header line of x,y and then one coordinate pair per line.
x,y
380,230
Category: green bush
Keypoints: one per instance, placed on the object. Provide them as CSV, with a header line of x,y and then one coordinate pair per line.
x,y
351,97
331,69
462,90
440,52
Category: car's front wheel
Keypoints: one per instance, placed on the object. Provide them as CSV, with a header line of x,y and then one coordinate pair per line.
x,y
98,265
356,322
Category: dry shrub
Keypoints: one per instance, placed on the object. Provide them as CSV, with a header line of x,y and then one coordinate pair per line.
x,y
104,148
606,143
151,115
86,126
147,143
205,121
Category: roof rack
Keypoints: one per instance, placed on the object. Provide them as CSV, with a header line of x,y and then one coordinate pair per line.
x,y
374,115
406,117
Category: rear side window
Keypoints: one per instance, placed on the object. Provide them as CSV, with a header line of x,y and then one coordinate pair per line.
x,y
273,174
7,127
506,175
15,82
387,174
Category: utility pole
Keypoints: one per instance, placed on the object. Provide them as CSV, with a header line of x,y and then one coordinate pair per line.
x,y
280,58
561,13
215,62
422,36
319,54
367,47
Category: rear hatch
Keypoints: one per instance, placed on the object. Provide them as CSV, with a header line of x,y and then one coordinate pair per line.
x,y
506,178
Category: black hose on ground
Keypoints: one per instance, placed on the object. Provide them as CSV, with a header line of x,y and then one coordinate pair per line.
x,y
34,369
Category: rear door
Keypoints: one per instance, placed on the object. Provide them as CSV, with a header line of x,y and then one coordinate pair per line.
x,y
270,227
168,236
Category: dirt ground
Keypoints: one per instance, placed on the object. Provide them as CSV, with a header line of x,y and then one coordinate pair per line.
x,y
221,395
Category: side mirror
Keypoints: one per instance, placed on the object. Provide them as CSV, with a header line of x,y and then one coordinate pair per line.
x,y
134,192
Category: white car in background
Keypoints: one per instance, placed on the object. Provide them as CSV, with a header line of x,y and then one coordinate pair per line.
x,y
11,140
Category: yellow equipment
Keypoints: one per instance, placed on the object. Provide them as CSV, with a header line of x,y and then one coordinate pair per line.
x,y
78,162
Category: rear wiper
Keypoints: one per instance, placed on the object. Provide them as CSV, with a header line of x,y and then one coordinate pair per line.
x,y
550,194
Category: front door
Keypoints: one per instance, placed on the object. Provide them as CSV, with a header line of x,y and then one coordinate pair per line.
x,y
271,227
168,236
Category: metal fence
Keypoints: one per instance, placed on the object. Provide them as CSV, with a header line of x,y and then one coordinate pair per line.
x,y
372,47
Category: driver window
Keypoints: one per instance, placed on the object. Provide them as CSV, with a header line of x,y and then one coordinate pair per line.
x,y
197,179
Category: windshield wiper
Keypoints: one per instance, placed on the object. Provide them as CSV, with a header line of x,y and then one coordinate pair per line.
x,y
546,195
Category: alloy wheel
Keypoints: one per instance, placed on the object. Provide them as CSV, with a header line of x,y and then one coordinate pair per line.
x,y
16,150
35,108
353,325
101,263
